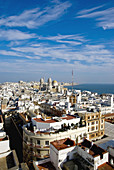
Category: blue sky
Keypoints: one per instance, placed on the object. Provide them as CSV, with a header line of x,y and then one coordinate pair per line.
x,y
50,38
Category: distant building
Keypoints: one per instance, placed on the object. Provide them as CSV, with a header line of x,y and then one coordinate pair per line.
x,y
50,86
4,105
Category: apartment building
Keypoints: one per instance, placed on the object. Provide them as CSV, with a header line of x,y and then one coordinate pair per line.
x,y
65,154
38,135
95,124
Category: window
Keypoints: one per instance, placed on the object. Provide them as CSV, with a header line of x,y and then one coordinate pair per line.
x,y
97,116
96,127
31,140
67,158
46,142
92,135
101,156
26,138
92,117
31,149
96,122
88,129
92,123
92,128
88,124
88,117
38,151
101,126
101,121
38,142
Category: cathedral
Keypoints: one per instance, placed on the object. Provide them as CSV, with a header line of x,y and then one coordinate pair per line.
x,y
50,86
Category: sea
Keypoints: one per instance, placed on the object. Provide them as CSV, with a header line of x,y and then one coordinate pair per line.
x,y
98,88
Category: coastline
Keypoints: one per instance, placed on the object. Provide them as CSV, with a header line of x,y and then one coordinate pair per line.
x,y
95,88
70,84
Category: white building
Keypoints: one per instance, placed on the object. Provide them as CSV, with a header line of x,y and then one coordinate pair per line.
x,y
55,123
86,154
61,151
92,153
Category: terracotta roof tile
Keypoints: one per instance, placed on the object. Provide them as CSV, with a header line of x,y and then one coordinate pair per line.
x,y
44,121
63,143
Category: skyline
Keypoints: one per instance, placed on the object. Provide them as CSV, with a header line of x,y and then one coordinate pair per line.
x,y
52,38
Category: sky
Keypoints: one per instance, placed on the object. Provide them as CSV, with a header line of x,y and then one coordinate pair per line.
x,y
50,38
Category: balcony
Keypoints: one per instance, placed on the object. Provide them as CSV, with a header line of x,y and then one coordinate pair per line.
x,y
38,155
46,156
37,146
46,146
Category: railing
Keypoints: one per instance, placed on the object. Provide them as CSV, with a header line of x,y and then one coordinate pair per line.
x,y
37,146
46,156
38,155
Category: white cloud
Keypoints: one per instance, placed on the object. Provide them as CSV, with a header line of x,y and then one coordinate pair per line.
x,y
59,70
36,17
9,53
88,54
105,18
73,39
13,34
85,11
64,37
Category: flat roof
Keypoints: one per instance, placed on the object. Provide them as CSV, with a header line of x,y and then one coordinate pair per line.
x,y
46,166
63,143
4,138
1,119
94,150
109,129
105,166
109,115
68,117
44,121
9,161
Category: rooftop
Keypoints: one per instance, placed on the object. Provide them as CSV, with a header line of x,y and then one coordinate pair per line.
x,y
105,166
46,166
69,117
44,121
109,115
1,120
77,161
9,161
4,138
63,143
109,127
94,150
40,120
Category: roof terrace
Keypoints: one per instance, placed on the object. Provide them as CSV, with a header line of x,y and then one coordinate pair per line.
x,y
63,143
94,150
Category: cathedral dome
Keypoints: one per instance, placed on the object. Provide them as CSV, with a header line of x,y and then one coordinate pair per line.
x,y
55,83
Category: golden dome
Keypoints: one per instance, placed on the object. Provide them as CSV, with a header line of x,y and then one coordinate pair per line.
x,y
55,83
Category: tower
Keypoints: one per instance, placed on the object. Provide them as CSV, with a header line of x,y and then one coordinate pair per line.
x,y
72,81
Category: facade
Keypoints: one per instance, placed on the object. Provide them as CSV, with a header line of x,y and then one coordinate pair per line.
x,y
4,105
50,86
50,109
61,151
8,158
65,154
92,153
95,124
36,141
